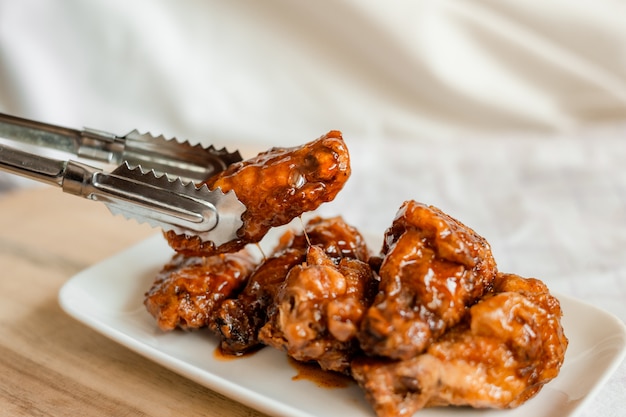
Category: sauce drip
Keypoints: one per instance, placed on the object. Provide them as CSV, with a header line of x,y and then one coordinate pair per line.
x,y
305,371
222,356
323,379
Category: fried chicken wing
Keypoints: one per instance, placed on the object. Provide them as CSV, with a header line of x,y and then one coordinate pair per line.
x,y
432,268
510,344
338,239
318,310
241,319
276,186
188,290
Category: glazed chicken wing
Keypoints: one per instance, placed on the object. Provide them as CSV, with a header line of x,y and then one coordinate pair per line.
x,y
276,186
433,267
318,310
240,319
508,346
188,290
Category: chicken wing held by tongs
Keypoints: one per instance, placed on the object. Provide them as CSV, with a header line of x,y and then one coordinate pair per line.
x,y
153,179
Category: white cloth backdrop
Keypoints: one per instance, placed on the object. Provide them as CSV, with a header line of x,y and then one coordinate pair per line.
x,y
283,71
509,115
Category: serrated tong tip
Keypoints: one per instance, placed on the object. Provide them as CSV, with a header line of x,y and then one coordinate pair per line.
x,y
193,162
184,208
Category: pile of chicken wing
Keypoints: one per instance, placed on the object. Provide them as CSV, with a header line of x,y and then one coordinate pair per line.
x,y
426,321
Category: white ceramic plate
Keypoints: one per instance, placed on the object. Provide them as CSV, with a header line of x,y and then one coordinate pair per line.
x,y
108,297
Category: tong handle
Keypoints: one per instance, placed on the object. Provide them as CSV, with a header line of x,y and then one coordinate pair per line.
x,y
41,134
46,170
131,197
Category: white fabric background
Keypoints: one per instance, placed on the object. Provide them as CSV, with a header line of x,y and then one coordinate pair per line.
x,y
282,71
509,115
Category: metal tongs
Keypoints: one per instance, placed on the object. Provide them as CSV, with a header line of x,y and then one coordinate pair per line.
x,y
153,180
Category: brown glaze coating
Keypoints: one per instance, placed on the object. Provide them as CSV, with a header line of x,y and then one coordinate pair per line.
x,y
188,290
276,186
433,267
239,320
318,310
338,239
509,345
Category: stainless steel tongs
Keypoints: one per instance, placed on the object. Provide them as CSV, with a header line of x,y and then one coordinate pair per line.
x,y
153,179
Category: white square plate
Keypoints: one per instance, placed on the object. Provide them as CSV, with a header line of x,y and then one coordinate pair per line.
x,y
108,297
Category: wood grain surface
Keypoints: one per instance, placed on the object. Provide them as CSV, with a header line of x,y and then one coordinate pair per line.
x,y
51,365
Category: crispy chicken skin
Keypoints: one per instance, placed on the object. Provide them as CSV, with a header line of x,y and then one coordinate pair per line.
x,y
508,346
239,320
318,310
276,186
432,268
188,290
